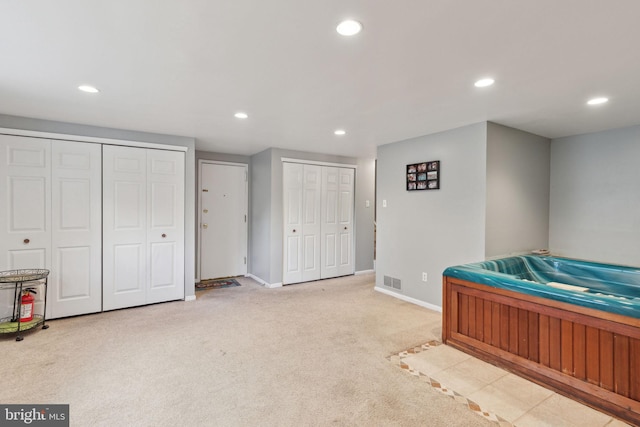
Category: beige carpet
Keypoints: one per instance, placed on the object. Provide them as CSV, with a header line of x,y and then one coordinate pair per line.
x,y
312,354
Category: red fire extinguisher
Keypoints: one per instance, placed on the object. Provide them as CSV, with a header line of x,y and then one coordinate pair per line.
x,y
26,305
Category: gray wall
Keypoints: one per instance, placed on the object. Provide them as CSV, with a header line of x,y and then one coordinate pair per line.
x,y
267,194
24,123
517,191
427,231
365,190
260,216
219,157
595,196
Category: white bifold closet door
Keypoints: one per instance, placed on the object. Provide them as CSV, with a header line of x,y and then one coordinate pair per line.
x,y
75,282
302,196
337,221
25,209
318,222
143,226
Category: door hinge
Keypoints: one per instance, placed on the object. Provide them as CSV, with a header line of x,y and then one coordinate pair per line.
x,y
245,218
245,260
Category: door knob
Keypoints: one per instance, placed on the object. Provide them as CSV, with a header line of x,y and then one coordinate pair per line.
x,y
205,225
345,228
294,230
164,235
26,241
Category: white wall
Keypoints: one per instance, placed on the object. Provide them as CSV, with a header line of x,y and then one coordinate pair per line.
x,y
260,216
517,191
427,231
595,196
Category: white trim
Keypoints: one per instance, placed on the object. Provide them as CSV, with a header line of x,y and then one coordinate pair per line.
x,y
313,162
357,273
199,200
190,298
82,138
262,282
409,299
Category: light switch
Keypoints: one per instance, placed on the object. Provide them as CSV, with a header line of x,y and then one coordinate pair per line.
x,y
366,204
384,203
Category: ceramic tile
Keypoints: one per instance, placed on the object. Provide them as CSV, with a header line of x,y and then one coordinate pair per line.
x,y
558,410
510,396
435,359
469,376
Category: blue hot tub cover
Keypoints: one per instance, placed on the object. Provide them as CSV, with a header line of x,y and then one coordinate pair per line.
x,y
606,287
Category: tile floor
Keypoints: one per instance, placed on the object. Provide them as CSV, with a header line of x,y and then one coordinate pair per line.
x,y
495,394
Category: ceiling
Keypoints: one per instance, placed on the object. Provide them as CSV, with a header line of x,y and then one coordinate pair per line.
x,y
185,67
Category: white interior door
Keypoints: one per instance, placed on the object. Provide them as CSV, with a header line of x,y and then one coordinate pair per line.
x,y
311,200
75,283
345,221
25,211
223,220
124,226
337,221
330,221
165,225
292,178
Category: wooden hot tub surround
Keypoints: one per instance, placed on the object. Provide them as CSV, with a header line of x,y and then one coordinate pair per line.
x,y
589,355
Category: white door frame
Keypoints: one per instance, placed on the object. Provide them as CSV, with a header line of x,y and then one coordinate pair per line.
x,y
199,233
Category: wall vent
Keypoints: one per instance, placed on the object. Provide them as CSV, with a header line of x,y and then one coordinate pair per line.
x,y
392,282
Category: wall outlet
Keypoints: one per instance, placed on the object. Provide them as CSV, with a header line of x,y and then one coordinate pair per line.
x,y
424,277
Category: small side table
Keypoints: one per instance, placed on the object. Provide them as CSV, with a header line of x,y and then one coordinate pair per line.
x,y
18,280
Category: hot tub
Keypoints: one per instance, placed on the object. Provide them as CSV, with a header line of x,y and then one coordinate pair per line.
x,y
572,326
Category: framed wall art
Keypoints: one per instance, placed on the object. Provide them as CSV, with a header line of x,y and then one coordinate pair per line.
x,y
423,176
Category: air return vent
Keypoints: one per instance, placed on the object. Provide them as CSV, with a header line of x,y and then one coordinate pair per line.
x,y
392,282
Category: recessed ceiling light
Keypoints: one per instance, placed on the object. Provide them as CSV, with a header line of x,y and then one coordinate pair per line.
x,y
241,115
349,27
597,101
88,89
484,82
340,132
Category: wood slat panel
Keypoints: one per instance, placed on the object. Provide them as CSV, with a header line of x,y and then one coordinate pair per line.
x,y
495,324
523,333
579,351
592,355
543,342
634,369
463,314
504,326
472,317
533,336
480,319
513,330
487,322
566,344
554,343
606,360
621,364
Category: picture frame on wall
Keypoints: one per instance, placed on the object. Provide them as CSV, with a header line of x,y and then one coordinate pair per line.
x,y
423,176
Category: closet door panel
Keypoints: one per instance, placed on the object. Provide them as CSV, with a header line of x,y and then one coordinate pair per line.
x,y
165,230
124,227
75,285
25,208
293,178
330,221
311,225
345,225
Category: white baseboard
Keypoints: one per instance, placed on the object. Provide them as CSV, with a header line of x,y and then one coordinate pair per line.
x,y
262,282
190,298
357,273
409,299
